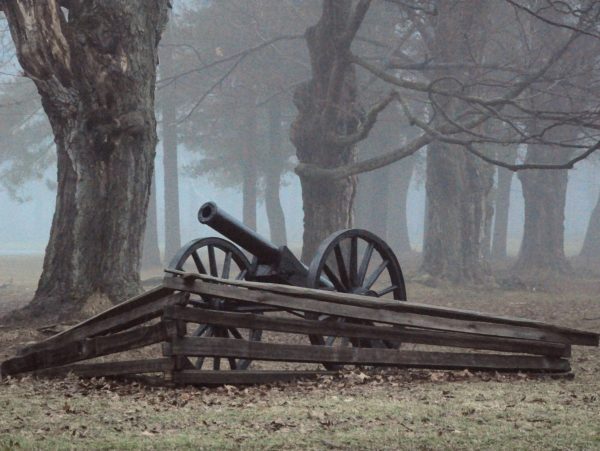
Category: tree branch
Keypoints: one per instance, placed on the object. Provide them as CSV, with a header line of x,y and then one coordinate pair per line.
x,y
418,143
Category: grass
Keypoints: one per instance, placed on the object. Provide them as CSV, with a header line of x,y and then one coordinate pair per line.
x,y
405,409
384,412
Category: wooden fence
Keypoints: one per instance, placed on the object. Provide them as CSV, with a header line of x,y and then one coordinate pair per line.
x,y
371,330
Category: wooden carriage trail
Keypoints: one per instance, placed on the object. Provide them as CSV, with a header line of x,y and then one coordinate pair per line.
x,y
344,329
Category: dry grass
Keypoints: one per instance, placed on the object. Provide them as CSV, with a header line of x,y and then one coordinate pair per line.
x,y
360,409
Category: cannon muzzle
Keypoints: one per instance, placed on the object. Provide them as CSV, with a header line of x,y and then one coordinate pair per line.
x,y
240,234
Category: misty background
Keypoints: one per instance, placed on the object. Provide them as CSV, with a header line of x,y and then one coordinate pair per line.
x,y
25,223
28,199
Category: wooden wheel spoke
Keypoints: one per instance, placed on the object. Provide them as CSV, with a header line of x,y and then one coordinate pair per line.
x,y
198,263
386,291
353,261
199,362
375,275
242,274
333,278
226,265
341,264
364,265
330,340
212,261
205,330
235,333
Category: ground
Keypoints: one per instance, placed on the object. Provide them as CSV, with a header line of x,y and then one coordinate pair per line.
x,y
390,409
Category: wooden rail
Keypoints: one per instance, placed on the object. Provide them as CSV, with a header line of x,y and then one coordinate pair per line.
x,y
377,328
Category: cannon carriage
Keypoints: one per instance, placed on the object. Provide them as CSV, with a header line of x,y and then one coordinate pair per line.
x,y
220,307
351,261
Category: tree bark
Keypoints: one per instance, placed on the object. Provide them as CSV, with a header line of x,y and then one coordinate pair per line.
x,y
591,244
275,166
500,237
151,252
326,105
371,202
458,184
95,72
170,153
457,188
545,194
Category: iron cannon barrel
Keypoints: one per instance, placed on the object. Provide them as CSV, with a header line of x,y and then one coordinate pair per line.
x,y
219,220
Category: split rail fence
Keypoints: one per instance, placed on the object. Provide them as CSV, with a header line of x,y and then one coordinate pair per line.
x,y
369,332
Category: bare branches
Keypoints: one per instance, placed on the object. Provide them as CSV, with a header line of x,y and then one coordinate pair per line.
x,y
544,19
234,57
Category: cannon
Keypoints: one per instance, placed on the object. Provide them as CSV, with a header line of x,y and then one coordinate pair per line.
x,y
228,318
349,261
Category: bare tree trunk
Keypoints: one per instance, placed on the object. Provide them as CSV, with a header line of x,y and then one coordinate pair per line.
x,y
458,184
151,252
170,154
273,177
457,194
249,173
545,195
500,237
326,106
486,242
591,244
397,235
95,72
371,202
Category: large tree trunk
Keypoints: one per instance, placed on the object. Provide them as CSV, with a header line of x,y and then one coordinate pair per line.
x,y
371,202
591,244
326,106
95,72
458,184
545,195
397,235
457,194
151,252
275,166
502,206
170,156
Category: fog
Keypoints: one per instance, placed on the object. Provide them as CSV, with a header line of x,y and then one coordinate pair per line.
x,y
28,165
25,224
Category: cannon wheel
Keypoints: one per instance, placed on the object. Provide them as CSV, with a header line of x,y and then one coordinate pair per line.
x,y
203,256
359,262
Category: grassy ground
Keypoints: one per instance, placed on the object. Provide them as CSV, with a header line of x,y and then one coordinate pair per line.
x,y
359,409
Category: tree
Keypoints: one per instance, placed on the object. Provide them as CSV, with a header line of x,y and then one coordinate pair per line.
x,y
94,65
230,113
590,251
328,113
502,204
168,107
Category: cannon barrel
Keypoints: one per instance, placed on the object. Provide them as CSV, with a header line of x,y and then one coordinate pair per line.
x,y
242,235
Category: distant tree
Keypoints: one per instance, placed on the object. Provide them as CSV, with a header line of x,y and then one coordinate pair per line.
x,y
590,251
238,98
167,101
502,204
27,148
477,92
93,64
